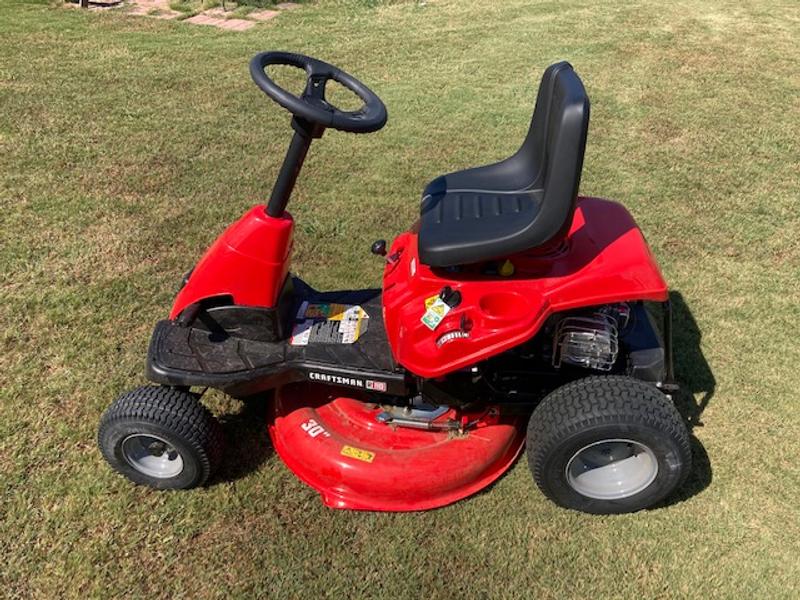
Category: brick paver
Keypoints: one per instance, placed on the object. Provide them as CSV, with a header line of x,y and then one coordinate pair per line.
x,y
237,24
230,24
263,15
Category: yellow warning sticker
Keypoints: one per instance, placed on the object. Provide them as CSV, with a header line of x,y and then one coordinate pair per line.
x,y
358,454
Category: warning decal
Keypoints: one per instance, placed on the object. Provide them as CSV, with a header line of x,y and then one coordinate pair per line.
x,y
358,453
435,310
329,323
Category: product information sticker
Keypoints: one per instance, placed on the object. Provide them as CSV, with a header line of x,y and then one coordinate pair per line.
x,y
435,311
329,323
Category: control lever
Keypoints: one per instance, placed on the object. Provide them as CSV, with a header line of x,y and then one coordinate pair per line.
x,y
378,248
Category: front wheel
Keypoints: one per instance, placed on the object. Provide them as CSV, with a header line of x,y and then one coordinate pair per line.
x,y
161,437
608,445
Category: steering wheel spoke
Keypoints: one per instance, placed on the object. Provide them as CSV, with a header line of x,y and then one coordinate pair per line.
x,y
312,105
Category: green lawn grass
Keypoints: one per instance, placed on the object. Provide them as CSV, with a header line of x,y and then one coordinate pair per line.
x,y
127,144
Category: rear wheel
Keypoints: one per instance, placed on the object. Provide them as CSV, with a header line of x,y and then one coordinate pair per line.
x,y
608,445
161,437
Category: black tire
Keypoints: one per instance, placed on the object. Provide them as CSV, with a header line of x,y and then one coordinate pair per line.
x,y
173,422
607,415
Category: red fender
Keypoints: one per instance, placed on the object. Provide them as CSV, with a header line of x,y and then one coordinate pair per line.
x,y
249,262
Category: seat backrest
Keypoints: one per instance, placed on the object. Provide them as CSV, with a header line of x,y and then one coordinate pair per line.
x,y
555,146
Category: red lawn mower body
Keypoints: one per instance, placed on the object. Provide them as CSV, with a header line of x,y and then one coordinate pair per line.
x,y
604,259
332,440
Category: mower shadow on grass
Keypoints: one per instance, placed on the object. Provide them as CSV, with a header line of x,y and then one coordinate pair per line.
x,y
248,445
692,370
697,389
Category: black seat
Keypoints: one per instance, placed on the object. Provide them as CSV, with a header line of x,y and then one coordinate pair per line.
x,y
522,202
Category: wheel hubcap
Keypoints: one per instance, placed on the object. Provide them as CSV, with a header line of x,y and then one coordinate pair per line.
x,y
612,469
151,455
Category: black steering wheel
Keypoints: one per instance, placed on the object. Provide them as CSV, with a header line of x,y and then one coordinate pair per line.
x,y
312,105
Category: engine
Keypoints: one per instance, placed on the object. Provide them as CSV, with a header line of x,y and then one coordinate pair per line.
x,y
590,340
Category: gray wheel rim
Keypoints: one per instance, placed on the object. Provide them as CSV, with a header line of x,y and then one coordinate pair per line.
x,y
152,456
612,469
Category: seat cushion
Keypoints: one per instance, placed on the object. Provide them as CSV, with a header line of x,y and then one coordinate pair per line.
x,y
466,226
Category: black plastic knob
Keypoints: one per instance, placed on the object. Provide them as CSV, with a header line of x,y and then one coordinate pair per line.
x,y
378,247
